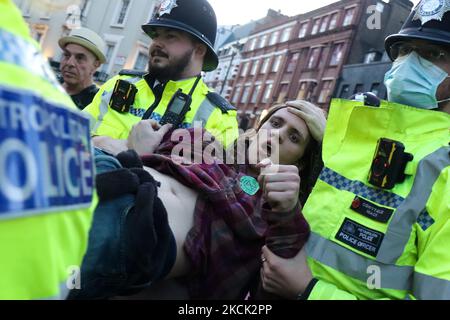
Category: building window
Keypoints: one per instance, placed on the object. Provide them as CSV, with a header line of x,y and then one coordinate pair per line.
x,y
303,30
375,89
244,69
109,52
326,91
236,94
344,91
359,88
324,25
245,95
26,8
372,57
255,93
293,62
315,27
283,92
274,38
336,56
302,91
276,64
141,61
286,35
122,12
267,92
265,66
314,58
349,14
263,41
252,44
48,10
333,21
254,67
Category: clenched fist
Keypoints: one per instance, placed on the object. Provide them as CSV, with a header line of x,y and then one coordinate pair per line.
x,y
280,185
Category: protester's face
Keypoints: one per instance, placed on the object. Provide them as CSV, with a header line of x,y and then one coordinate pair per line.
x,y
171,52
78,64
283,138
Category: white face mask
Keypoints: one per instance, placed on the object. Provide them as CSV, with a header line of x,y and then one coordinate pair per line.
x,y
413,81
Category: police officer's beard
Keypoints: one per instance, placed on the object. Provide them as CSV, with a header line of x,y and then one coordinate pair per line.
x,y
173,71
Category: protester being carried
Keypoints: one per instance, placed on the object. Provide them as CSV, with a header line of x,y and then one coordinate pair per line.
x,y
209,220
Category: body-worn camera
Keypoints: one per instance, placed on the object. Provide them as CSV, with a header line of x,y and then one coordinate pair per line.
x,y
388,165
123,96
176,110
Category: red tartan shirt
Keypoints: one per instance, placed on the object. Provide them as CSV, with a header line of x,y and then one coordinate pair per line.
x,y
230,227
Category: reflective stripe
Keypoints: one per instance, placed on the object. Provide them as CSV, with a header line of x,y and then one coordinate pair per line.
x,y
204,112
400,228
380,196
430,288
134,80
356,266
15,50
103,108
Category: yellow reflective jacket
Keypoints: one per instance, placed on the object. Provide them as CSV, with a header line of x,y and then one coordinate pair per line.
x,y
215,115
372,243
46,171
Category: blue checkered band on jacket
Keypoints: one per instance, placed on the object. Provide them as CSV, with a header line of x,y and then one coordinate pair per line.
x,y
357,187
425,220
15,50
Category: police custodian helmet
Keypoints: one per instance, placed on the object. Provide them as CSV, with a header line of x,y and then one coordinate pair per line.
x,y
195,17
430,21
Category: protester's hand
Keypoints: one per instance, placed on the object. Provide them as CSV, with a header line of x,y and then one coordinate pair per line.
x,y
285,277
280,185
313,116
146,136
110,145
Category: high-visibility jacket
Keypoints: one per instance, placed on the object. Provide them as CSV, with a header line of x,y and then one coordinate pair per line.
x,y
46,171
210,111
372,243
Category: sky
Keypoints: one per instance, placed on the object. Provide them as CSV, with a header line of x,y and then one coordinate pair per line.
x,y
230,12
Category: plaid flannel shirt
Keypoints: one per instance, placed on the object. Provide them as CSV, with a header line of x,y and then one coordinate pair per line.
x,y
230,227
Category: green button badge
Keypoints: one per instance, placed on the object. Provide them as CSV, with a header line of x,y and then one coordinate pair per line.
x,y
249,185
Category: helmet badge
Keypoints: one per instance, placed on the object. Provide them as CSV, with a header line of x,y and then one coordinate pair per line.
x,y
164,7
428,10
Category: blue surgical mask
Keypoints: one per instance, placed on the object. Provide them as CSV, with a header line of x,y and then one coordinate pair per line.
x,y
413,81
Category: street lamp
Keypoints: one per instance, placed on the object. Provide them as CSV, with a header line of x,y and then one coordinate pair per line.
x,y
236,47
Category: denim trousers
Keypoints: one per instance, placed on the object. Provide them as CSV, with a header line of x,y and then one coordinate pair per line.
x,y
104,271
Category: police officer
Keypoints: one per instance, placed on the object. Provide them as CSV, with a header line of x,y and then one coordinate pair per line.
x,y
46,171
379,213
83,54
183,34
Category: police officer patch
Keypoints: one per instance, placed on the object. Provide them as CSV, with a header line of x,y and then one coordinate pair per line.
x,y
428,10
164,7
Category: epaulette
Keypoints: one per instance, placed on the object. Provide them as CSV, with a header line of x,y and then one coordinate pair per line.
x,y
220,102
133,73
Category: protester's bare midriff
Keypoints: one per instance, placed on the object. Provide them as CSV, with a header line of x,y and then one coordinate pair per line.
x,y
179,202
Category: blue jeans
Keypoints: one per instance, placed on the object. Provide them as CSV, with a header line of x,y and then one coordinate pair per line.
x,y
104,271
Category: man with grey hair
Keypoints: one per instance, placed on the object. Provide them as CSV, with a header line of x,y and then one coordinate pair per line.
x,y
83,53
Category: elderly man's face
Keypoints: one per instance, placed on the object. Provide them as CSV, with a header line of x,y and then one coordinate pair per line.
x,y
78,65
